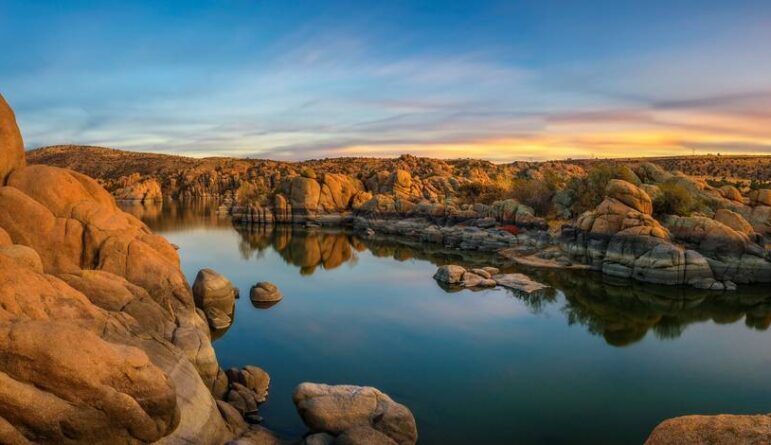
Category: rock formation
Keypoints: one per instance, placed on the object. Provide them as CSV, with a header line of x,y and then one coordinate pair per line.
x,y
216,297
720,429
622,239
338,410
100,341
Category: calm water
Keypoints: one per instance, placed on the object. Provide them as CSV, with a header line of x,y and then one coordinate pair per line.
x,y
589,362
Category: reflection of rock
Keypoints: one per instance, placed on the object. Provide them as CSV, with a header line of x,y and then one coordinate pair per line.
x,y
720,429
338,409
624,312
265,292
216,297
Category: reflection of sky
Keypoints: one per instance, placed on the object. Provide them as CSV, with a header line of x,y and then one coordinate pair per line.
x,y
499,79
475,367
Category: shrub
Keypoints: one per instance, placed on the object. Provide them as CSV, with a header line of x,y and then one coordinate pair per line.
x,y
476,192
533,193
674,199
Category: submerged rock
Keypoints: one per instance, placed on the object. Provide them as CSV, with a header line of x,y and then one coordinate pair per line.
x,y
520,282
338,409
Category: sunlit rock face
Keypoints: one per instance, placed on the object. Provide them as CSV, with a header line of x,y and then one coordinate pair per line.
x,y
99,338
622,238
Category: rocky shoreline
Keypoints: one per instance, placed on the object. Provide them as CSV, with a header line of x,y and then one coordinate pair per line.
x,y
76,270
102,340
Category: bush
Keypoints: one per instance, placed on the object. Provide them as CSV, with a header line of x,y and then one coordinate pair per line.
x,y
533,193
476,192
674,199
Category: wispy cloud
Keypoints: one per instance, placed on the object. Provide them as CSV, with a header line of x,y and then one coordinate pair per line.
x,y
213,84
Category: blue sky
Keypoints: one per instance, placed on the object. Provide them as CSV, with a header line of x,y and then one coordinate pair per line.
x,y
502,80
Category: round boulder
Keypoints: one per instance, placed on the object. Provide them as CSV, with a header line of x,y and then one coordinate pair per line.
x,y
11,144
340,408
265,292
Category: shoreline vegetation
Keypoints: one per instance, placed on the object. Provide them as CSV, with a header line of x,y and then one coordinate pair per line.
x,y
76,270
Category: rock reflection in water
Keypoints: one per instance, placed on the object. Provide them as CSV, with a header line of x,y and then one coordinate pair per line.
x,y
170,215
619,311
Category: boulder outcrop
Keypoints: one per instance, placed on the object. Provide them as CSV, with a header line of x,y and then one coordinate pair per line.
x,y
720,429
78,271
337,410
11,144
621,238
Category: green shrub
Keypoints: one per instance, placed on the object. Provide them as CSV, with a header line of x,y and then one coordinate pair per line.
x,y
476,192
533,193
675,199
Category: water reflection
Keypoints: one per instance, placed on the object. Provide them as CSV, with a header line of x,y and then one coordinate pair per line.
x,y
621,312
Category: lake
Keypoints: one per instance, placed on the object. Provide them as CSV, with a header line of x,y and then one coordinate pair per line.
x,y
588,362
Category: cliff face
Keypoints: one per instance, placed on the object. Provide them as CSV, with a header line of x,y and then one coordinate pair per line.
x,y
100,341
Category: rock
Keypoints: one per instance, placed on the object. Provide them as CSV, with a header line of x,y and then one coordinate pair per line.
x,y
520,282
216,296
233,418
242,398
730,192
762,197
217,319
473,280
11,144
363,435
491,270
24,256
450,274
319,439
630,195
98,279
735,221
147,190
265,292
482,273
253,378
304,195
720,429
337,409
258,435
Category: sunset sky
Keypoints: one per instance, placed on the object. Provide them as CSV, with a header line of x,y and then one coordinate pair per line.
x,y
500,80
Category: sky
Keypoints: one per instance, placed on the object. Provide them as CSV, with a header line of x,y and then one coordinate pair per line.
x,y
499,80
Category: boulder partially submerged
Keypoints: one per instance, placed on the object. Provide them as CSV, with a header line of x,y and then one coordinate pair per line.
x,y
719,429
452,275
354,412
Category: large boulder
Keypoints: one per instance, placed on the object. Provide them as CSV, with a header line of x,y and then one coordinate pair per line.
x,y
735,221
216,296
11,144
338,409
707,430
75,270
304,194
630,195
